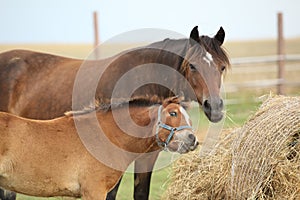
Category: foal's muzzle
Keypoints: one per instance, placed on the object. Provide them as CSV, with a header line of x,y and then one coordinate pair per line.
x,y
184,142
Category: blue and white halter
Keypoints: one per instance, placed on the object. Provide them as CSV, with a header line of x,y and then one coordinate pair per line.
x,y
172,130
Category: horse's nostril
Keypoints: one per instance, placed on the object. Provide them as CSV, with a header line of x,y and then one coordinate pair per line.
x,y
210,105
206,105
192,137
221,103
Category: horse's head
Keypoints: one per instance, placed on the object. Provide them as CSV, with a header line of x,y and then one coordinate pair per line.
x,y
173,130
203,66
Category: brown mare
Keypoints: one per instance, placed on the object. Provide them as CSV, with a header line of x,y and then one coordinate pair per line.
x,y
47,157
40,86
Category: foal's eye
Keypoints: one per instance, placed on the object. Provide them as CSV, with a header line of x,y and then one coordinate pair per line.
x,y
173,114
192,67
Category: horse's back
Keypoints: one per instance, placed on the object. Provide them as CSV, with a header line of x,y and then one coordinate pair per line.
x,y
28,78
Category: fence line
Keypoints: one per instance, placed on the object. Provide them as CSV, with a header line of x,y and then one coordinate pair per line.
x,y
256,62
265,59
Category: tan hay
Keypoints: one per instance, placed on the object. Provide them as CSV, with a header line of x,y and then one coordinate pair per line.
x,y
260,160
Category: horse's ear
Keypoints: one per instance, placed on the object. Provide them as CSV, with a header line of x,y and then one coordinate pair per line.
x,y
181,96
194,36
175,99
220,36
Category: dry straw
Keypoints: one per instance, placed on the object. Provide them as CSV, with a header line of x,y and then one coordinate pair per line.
x,y
260,160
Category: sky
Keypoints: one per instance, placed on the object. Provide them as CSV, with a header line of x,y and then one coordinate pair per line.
x,y
71,21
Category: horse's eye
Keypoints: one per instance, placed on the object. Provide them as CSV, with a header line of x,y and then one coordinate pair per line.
x,y
223,68
192,67
173,114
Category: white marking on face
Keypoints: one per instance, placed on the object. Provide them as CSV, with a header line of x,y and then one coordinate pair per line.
x,y
185,114
208,58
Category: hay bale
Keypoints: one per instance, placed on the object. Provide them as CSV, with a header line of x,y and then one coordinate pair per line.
x,y
260,160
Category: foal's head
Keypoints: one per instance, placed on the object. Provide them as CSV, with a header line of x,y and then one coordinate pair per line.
x,y
204,71
174,130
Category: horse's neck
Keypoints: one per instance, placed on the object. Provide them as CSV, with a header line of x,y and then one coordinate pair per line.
x,y
148,67
114,78
132,133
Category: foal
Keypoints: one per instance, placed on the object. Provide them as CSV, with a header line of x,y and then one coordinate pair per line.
x,y
51,158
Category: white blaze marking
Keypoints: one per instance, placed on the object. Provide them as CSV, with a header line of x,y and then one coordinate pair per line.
x,y
208,58
186,116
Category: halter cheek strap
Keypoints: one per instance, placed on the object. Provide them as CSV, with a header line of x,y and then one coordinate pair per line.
x,y
172,130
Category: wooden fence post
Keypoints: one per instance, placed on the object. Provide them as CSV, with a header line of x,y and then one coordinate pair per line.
x,y
96,34
281,55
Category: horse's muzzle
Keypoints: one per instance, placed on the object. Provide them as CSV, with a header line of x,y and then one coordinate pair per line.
x,y
184,142
213,109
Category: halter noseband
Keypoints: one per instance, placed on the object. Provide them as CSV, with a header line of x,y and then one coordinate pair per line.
x,y
172,130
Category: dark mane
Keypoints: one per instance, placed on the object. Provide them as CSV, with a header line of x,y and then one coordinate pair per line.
x,y
180,47
213,47
99,106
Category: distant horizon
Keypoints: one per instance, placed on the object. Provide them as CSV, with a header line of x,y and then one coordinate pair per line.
x,y
141,42
236,49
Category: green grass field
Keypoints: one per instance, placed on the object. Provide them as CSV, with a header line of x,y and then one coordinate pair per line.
x,y
245,102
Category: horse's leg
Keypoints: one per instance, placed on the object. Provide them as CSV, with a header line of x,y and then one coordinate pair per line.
x,y
143,169
7,195
113,193
100,196
93,193
96,184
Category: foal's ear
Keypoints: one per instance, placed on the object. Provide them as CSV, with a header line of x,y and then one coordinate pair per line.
x,y
194,36
180,96
175,99
220,36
